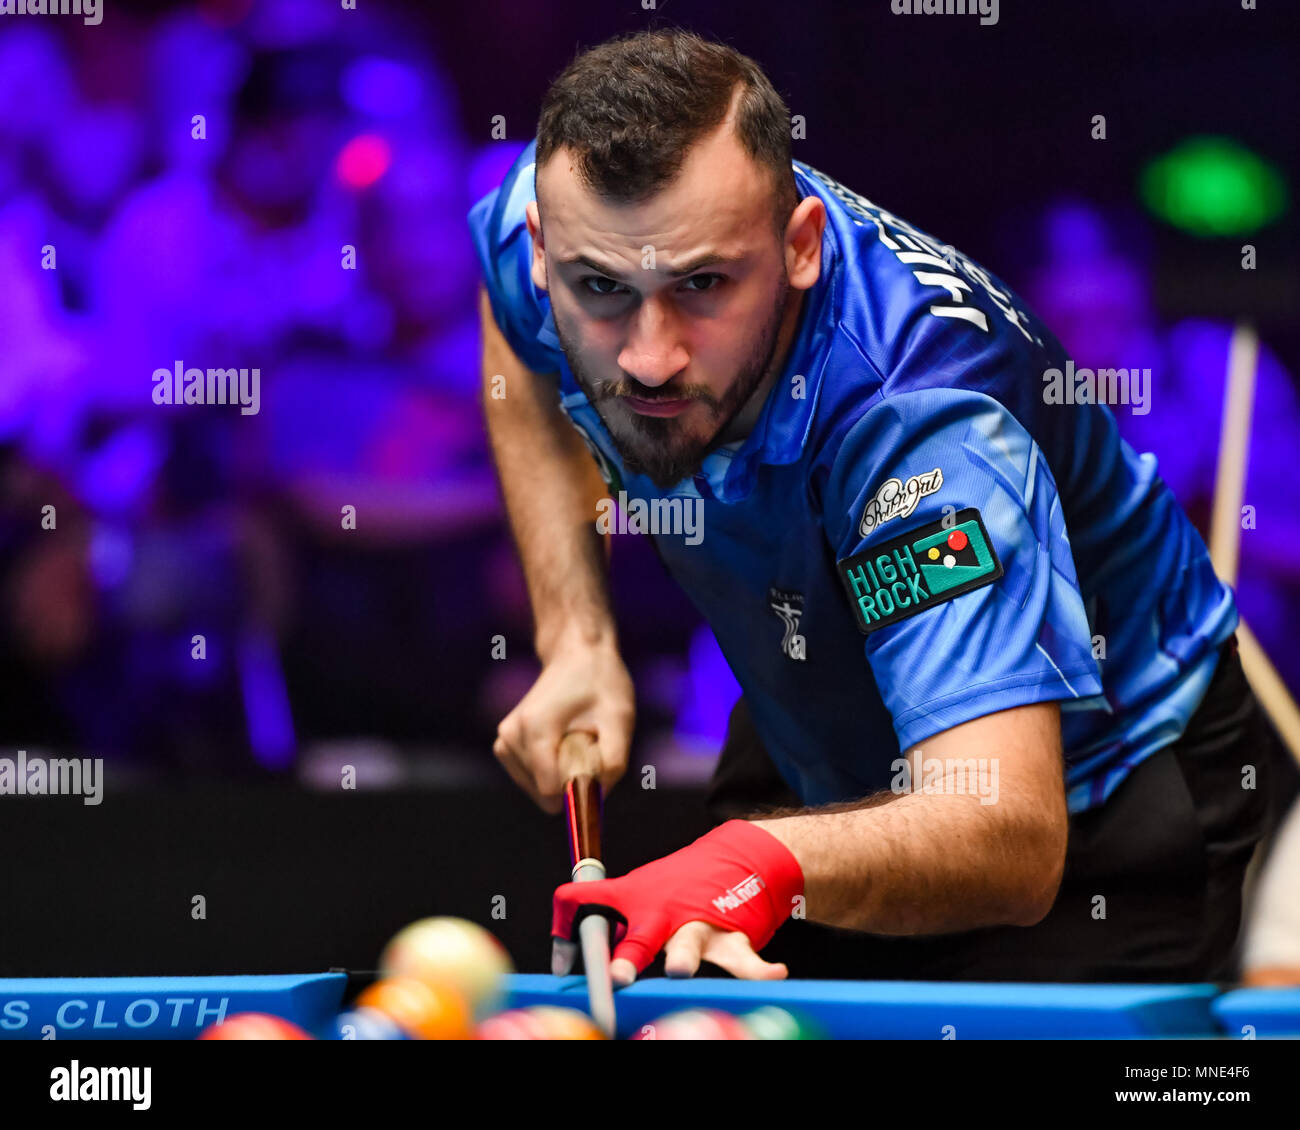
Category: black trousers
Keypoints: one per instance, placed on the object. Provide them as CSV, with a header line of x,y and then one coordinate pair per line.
x,y
1153,880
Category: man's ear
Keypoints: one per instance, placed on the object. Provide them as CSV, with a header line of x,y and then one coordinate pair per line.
x,y
534,219
803,242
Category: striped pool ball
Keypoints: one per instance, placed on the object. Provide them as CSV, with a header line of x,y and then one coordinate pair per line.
x,y
539,1022
366,1024
565,1023
771,1022
424,1011
695,1024
513,1024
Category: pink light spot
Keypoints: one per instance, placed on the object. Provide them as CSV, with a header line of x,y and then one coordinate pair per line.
x,y
363,160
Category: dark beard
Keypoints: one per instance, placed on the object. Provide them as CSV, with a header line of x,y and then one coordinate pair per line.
x,y
658,450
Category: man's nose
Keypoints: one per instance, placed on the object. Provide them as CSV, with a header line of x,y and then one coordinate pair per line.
x,y
653,352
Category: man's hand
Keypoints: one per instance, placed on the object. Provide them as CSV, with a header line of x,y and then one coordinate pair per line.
x,y
719,899
698,941
553,490
583,687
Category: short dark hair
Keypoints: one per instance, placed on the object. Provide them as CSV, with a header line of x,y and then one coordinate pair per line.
x,y
630,109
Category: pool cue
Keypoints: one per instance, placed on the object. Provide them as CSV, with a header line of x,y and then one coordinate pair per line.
x,y
582,804
1225,528
1234,452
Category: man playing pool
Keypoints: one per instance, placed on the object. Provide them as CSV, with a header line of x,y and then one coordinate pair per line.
x,y
987,666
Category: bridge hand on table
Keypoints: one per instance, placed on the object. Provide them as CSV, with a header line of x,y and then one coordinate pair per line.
x,y
719,899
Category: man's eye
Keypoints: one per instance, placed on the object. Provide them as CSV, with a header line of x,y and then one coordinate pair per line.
x,y
711,282
601,286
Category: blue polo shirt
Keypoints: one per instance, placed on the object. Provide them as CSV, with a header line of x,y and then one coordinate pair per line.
x,y
930,521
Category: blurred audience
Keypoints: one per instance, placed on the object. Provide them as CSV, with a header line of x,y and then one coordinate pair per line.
x,y
311,228
1093,288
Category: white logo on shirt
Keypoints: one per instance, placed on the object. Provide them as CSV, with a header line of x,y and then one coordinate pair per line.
x,y
789,606
897,499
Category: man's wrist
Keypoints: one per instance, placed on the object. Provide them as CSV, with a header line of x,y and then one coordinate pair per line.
x,y
772,853
572,633
771,857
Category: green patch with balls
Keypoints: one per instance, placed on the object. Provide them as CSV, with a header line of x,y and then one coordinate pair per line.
x,y
919,569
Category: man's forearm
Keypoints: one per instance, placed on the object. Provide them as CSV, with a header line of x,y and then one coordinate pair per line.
x,y
923,864
551,487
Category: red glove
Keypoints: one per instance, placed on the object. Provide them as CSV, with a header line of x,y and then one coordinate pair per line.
x,y
737,877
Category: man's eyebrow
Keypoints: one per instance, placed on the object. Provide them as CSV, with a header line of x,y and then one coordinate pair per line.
x,y
707,259
573,260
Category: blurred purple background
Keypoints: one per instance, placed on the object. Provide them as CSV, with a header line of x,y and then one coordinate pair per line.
x,y
126,244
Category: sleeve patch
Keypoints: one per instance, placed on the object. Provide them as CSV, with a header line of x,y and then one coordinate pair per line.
x,y
917,570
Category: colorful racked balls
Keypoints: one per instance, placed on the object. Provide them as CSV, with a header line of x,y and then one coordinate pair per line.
x,y
452,951
253,1026
423,1010
771,1022
695,1024
366,1024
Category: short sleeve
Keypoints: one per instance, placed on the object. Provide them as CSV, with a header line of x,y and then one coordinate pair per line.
x,y
499,229
955,560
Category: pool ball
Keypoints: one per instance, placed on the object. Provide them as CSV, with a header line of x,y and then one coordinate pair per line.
x,y
453,951
425,1011
539,1022
513,1024
771,1022
365,1024
565,1023
253,1026
695,1024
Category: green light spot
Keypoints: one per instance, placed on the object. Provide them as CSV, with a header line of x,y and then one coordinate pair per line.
x,y
1212,186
